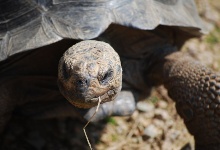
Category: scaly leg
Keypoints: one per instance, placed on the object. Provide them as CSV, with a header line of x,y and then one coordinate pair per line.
x,y
196,91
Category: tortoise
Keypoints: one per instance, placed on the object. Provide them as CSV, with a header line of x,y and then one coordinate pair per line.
x,y
147,35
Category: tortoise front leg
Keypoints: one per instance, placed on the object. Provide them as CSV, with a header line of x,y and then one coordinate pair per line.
x,y
196,91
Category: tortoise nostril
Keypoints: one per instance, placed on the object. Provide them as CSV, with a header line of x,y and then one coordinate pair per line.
x,y
79,82
83,82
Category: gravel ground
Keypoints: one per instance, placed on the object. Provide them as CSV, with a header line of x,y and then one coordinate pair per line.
x,y
155,125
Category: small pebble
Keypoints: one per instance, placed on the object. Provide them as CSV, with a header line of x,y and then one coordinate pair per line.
x,y
145,106
151,131
162,104
162,114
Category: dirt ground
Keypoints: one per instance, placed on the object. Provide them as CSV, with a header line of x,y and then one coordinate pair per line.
x,y
155,125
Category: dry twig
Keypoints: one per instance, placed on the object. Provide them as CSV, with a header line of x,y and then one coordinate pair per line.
x,y
84,128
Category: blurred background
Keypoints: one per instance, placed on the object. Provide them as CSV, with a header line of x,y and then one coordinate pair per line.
x,y
155,125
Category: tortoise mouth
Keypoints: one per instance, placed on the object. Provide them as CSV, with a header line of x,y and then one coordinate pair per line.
x,y
92,102
104,98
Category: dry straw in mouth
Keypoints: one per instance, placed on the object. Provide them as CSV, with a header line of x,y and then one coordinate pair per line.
x,y
84,128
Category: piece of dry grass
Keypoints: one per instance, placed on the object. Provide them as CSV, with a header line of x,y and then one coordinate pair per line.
x,y
84,128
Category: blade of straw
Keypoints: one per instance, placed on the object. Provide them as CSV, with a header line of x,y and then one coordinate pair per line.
x,y
84,128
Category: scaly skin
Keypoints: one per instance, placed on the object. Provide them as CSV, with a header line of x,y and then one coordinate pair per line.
x,y
196,91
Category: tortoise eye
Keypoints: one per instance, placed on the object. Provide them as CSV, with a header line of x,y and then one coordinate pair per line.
x,y
106,77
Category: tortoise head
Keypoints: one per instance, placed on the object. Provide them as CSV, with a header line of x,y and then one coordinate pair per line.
x,y
89,70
